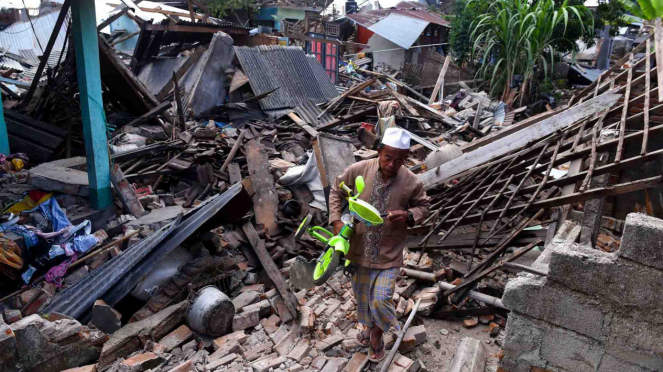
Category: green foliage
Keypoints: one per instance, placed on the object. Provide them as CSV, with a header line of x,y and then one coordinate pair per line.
x,y
223,8
565,35
611,13
466,12
513,36
645,9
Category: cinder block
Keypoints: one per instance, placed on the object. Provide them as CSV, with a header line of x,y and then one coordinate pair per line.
x,y
642,240
542,299
530,342
607,277
634,340
612,364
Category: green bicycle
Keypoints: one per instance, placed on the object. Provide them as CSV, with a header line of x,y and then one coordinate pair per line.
x,y
305,274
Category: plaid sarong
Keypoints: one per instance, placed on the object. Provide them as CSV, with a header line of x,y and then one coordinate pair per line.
x,y
374,291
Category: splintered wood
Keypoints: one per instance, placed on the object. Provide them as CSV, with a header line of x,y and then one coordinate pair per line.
x,y
265,199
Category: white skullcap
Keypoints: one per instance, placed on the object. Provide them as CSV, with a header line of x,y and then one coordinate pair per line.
x,y
396,137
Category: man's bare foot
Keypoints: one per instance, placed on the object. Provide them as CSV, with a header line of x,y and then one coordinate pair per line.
x,y
376,351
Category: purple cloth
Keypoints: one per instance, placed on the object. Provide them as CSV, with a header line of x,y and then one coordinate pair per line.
x,y
56,274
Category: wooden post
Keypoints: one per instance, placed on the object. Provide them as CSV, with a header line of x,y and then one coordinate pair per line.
x,y
658,40
84,25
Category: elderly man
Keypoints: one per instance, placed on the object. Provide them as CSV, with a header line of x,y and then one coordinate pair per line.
x,y
378,251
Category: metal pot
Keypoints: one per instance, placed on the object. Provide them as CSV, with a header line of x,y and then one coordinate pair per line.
x,y
210,312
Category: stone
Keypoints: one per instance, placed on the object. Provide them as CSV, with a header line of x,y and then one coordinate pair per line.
x,y
184,367
642,240
313,301
12,315
77,275
264,365
245,298
141,362
238,336
531,342
334,365
332,305
87,368
127,339
300,350
264,307
319,362
470,322
41,345
357,363
246,320
593,272
444,332
176,337
105,317
541,299
329,342
258,351
8,349
221,362
470,356
414,336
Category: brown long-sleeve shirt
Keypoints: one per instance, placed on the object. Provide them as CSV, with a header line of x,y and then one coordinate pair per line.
x,y
380,246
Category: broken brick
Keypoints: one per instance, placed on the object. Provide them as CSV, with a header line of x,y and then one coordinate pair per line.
x,y
176,337
142,362
300,351
245,298
329,342
258,351
221,362
246,320
105,317
334,365
12,315
230,347
238,336
264,365
357,363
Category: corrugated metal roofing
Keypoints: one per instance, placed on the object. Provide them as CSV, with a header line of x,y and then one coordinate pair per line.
x,y
285,68
324,82
7,63
20,35
309,111
367,19
400,29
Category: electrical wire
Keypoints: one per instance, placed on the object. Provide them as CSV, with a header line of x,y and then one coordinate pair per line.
x,y
25,29
32,25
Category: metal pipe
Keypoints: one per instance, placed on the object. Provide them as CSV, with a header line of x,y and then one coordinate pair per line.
x,y
490,300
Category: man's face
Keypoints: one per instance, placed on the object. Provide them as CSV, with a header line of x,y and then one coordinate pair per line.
x,y
391,160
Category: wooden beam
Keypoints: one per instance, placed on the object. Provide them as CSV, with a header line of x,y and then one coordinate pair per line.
x,y
658,40
348,118
270,268
163,106
517,140
309,129
440,81
112,19
180,72
197,29
49,47
328,41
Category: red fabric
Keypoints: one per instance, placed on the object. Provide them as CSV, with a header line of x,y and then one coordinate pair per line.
x,y
36,195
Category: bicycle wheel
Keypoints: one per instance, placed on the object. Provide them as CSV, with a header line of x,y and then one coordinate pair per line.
x,y
326,265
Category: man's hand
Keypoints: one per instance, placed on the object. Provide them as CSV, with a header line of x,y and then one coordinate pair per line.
x,y
397,217
338,225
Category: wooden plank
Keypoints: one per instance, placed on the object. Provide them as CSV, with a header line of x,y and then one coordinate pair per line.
x,y
658,40
234,173
309,129
622,122
178,102
192,14
112,19
265,200
477,116
201,29
440,82
328,41
647,93
270,268
348,118
180,72
233,151
49,47
509,130
165,105
518,140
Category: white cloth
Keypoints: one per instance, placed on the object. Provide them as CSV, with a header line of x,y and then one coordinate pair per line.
x,y
396,137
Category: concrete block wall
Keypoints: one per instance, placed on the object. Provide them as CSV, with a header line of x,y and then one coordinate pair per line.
x,y
595,311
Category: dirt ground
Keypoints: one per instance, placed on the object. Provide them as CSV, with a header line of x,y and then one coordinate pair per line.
x,y
438,359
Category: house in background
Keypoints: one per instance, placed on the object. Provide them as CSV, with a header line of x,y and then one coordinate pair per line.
x,y
272,14
400,28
